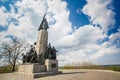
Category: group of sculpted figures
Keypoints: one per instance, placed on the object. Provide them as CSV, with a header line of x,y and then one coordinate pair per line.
x,y
32,57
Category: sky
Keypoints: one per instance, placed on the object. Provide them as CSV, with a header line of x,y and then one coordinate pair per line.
x,y
81,30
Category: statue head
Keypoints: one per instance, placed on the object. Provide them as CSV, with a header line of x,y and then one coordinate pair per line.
x,y
22,54
34,43
49,45
31,46
53,47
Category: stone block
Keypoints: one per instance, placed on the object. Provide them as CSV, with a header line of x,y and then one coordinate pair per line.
x,y
51,65
31,68
31,71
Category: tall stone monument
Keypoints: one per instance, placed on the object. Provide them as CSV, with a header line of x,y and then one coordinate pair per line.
x,y
40,60
42,39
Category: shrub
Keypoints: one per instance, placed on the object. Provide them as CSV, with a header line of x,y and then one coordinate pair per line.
x,y
7,69
115,68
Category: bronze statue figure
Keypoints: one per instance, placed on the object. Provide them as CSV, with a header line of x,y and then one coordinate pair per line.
x,y
31,56
50,53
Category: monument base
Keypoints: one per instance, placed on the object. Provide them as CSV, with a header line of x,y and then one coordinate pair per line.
x,y
30,71
30,76
51,65
32,68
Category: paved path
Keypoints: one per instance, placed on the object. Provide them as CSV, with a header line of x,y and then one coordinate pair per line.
x,y
72,75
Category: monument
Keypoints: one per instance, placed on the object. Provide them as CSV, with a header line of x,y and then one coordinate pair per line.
x,y
40,60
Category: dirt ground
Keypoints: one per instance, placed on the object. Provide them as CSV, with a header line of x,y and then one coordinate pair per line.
x,y
78,74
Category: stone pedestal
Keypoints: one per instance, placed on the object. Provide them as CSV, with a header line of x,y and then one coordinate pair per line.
x,y
32,68
51,65
31,71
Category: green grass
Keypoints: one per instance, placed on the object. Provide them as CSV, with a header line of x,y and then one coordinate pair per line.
x,y
84,67
114,68
111,67
7,69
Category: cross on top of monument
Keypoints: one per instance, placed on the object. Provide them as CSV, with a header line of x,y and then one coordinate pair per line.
x,y
44,24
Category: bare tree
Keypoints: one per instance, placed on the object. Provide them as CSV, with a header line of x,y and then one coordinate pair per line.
x,y
12,50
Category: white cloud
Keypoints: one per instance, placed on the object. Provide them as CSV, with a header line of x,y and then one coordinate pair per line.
x,y
99,13
110,47
80,44
83,40
83,36
28,16
114,36
4,16
60,14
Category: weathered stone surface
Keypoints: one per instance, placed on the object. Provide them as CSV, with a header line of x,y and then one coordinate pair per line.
x,y
42,41
51,65
31,68
30,71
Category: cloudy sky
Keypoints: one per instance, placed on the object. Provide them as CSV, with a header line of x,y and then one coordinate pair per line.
x,y
81,30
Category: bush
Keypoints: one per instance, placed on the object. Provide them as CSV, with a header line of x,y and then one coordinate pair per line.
x,y
67,67
84,67
7,69
115,68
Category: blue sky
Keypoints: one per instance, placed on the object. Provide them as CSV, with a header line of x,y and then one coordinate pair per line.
x,y
76,17
82,30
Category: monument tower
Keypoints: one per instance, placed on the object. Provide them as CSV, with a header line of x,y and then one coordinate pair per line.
x,y
42,39
42,58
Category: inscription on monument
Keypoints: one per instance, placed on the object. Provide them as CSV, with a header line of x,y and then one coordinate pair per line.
x,y
53,65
